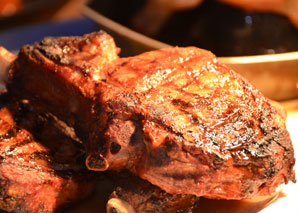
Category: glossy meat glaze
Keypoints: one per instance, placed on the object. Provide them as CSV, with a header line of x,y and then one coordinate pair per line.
x,y
37,176
175,117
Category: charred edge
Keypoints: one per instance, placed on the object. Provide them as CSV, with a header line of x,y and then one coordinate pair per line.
x,y
181,103
22,143
40,155
168,128
129,102
9,134
43,50
272,171
62,60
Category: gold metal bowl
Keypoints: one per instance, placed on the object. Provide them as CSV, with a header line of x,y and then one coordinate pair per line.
x,y
276,75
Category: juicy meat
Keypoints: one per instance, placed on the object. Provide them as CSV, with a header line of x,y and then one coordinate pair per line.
x,y
6,59
135,195
37,176
76,64
175,117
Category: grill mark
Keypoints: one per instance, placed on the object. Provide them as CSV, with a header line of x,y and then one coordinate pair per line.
x,y
193,118
206,130
208,134
161,123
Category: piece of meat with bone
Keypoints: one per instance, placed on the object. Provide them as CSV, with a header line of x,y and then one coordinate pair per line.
x,y
38,176
79,61
175,117
133,194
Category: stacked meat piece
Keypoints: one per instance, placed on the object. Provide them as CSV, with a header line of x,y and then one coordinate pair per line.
x,y
57,174
174,117
38,176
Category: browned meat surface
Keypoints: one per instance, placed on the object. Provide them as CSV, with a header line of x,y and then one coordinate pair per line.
x,y
6,59
175,117
77,59
135,195
38,176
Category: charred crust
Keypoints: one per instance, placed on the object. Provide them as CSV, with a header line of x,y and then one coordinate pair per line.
x,y
40,155
9,134
205,146
21,143
181,103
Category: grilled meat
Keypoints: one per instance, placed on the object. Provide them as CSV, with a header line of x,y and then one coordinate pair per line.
x,y
135,195
77,59
6,59
175,117
38,176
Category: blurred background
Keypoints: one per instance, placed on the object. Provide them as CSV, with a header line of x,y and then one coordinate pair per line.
x,y
257,38
27,21
225,29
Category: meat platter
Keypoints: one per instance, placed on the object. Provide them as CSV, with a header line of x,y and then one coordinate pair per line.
x,y
57,60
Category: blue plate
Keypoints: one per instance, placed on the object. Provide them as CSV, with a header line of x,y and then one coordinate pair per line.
x,y
13,39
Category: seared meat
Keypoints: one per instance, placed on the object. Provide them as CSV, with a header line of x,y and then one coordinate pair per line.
x,y
79,61
37,176
175,117
6,59
135,195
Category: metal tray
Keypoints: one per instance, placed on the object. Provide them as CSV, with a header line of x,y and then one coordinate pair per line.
x,y
276,75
